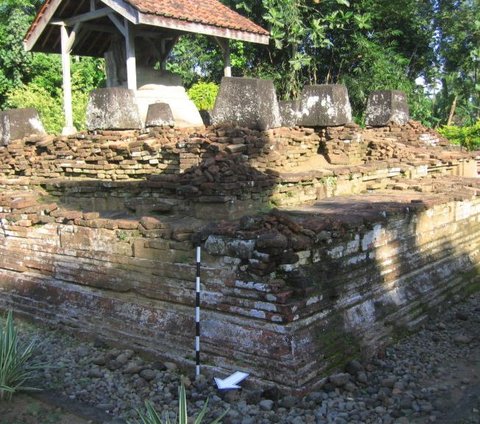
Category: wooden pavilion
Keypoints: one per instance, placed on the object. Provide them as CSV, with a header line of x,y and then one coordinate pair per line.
x,y
128,33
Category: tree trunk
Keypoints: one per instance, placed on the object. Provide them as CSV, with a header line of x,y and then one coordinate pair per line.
x,y
452,111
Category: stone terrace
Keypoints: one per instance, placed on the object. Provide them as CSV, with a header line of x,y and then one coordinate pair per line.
x,y
319,244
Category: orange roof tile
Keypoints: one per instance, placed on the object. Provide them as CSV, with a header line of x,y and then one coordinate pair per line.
x,y
209,12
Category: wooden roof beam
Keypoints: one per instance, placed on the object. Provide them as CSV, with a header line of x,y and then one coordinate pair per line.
x,y
123,9
166,48
48,34
72,37
118,23
99,28
84,17
199,28
79,6
41,24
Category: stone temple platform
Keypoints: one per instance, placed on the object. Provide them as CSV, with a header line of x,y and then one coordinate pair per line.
x,y
319,244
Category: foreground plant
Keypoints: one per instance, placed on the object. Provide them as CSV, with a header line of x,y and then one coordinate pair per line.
x,y
151,416
15,370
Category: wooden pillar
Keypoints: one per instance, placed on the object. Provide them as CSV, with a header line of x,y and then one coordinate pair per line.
x,y
163,54
66,43
166,46
225,46
131,60
227,65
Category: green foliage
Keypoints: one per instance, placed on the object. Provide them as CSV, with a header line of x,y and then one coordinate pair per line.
x,y
195,58
303,34
379,68
15,369
44,92
48,106
151,416
203,94
79,108
199,58
46,72
88,73
467,136
366,44
14,61
458,67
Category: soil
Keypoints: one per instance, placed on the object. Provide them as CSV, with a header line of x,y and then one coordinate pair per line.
x,y
25,409
461,404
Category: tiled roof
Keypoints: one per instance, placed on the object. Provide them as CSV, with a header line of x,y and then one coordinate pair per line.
x,y
208,17
208,12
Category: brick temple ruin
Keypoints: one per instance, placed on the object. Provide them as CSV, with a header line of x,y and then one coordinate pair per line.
x,y
322,241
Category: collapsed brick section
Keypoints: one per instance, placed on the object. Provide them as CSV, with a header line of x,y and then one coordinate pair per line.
x,y
224,170
114,155
110,155
350,145
288,294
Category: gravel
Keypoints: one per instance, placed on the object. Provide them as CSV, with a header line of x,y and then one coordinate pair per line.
x,y
432,376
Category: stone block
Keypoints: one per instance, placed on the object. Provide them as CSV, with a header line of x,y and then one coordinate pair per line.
x,y
224,246
19,123
159,115
325,105
290,112
113,109
206,117
184,111
385,107
247,102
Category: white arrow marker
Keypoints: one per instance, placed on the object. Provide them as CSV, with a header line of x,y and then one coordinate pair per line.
x,y
231,382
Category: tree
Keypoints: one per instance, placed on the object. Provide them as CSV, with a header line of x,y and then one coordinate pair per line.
x,y
367,44
35,79
458,60
15,63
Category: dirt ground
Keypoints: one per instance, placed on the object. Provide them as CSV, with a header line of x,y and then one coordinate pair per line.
x,y
25,409
456,386
461,404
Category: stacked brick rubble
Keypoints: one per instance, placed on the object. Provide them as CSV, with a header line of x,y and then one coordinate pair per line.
x,y
97,234
410,143
224,165
345,145
128,155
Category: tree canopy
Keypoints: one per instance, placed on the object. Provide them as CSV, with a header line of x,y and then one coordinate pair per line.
x,y
428,48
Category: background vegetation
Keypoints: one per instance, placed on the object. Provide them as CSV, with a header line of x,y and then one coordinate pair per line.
x,y
16,365
428,48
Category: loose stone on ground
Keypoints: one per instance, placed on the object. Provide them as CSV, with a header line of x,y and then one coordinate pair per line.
x,y
430,377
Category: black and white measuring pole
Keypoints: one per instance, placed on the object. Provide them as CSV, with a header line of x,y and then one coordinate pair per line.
x,y
197,315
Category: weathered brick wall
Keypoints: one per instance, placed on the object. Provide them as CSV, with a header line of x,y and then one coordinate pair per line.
x,y
349,277
286,296
98,231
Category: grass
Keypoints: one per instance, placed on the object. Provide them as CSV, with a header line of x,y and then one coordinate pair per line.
x,y
15,369
151,416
